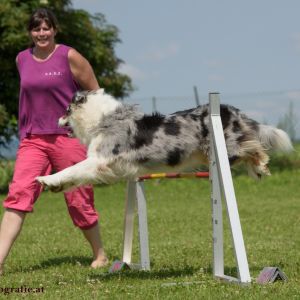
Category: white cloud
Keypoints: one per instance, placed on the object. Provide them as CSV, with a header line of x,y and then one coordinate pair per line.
x,y
133,72
157,54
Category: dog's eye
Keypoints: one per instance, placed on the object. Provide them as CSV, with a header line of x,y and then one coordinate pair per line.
x,y
68,112
79,98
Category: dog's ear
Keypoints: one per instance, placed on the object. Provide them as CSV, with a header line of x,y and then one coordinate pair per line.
x,y
79,97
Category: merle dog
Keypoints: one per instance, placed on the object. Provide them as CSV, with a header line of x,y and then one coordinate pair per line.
x,y
124,143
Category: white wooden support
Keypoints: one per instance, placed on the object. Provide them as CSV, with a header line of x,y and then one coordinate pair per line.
x,y
136,198
129,221
222,184
143,226
217,216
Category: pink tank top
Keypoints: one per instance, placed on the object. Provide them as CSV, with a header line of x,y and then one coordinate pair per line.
x,y
46,89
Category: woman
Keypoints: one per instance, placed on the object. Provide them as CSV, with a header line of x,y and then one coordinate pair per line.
x,y
49,76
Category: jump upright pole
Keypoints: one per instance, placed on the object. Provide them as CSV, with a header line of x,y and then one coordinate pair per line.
x,y
222,184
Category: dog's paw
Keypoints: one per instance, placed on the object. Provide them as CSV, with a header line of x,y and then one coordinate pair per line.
x,y
50,183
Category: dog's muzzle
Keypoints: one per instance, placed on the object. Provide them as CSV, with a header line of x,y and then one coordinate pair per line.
x,y
63,121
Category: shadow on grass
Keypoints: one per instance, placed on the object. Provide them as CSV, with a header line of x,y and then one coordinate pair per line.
x,y
164,273
154,274
171,272
58,261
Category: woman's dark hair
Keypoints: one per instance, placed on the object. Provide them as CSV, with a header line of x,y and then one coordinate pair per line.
x,y
40,15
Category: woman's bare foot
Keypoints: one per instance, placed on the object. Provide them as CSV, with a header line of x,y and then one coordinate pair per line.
x,y
99,262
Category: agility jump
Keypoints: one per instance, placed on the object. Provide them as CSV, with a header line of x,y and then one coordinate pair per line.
x,y
174,175
221,185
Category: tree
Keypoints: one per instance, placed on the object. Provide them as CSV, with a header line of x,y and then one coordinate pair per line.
x,y
6,126
289,122
89,34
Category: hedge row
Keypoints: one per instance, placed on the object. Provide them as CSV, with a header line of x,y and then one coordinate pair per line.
x,y
6,173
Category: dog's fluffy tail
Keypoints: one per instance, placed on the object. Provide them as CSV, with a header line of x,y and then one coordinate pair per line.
x,y
274,139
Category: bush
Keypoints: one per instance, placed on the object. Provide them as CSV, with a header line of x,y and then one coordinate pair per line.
x,y
291,161
6,174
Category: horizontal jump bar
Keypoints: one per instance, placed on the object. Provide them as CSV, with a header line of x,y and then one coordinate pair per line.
x,y
174,175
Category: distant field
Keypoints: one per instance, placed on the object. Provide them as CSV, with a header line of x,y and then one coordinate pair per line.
x,y
51,254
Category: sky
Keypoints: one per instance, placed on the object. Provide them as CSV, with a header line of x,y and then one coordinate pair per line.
x,y
248,51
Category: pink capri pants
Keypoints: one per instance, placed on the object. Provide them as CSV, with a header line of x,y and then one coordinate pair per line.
x,y
38,155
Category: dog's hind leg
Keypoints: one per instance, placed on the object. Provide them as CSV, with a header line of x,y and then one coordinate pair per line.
x,y
81,173
255,158
257,165
252,154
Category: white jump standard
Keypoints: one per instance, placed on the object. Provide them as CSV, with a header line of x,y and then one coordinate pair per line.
x,y
221,185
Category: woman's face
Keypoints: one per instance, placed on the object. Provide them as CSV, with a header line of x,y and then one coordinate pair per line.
x,y
43,35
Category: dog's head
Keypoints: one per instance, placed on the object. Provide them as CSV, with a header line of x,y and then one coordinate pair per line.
x,y
86,111
80,115
78,101
88,106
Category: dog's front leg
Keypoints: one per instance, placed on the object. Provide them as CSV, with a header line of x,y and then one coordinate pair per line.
x,y
78,174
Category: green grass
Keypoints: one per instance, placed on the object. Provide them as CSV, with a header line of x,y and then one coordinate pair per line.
x,y
52,254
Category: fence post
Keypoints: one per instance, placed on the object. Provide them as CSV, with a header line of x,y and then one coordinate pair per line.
x,y
196,96
154,108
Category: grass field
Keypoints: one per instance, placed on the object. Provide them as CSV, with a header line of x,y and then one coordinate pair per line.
x,y
51,254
